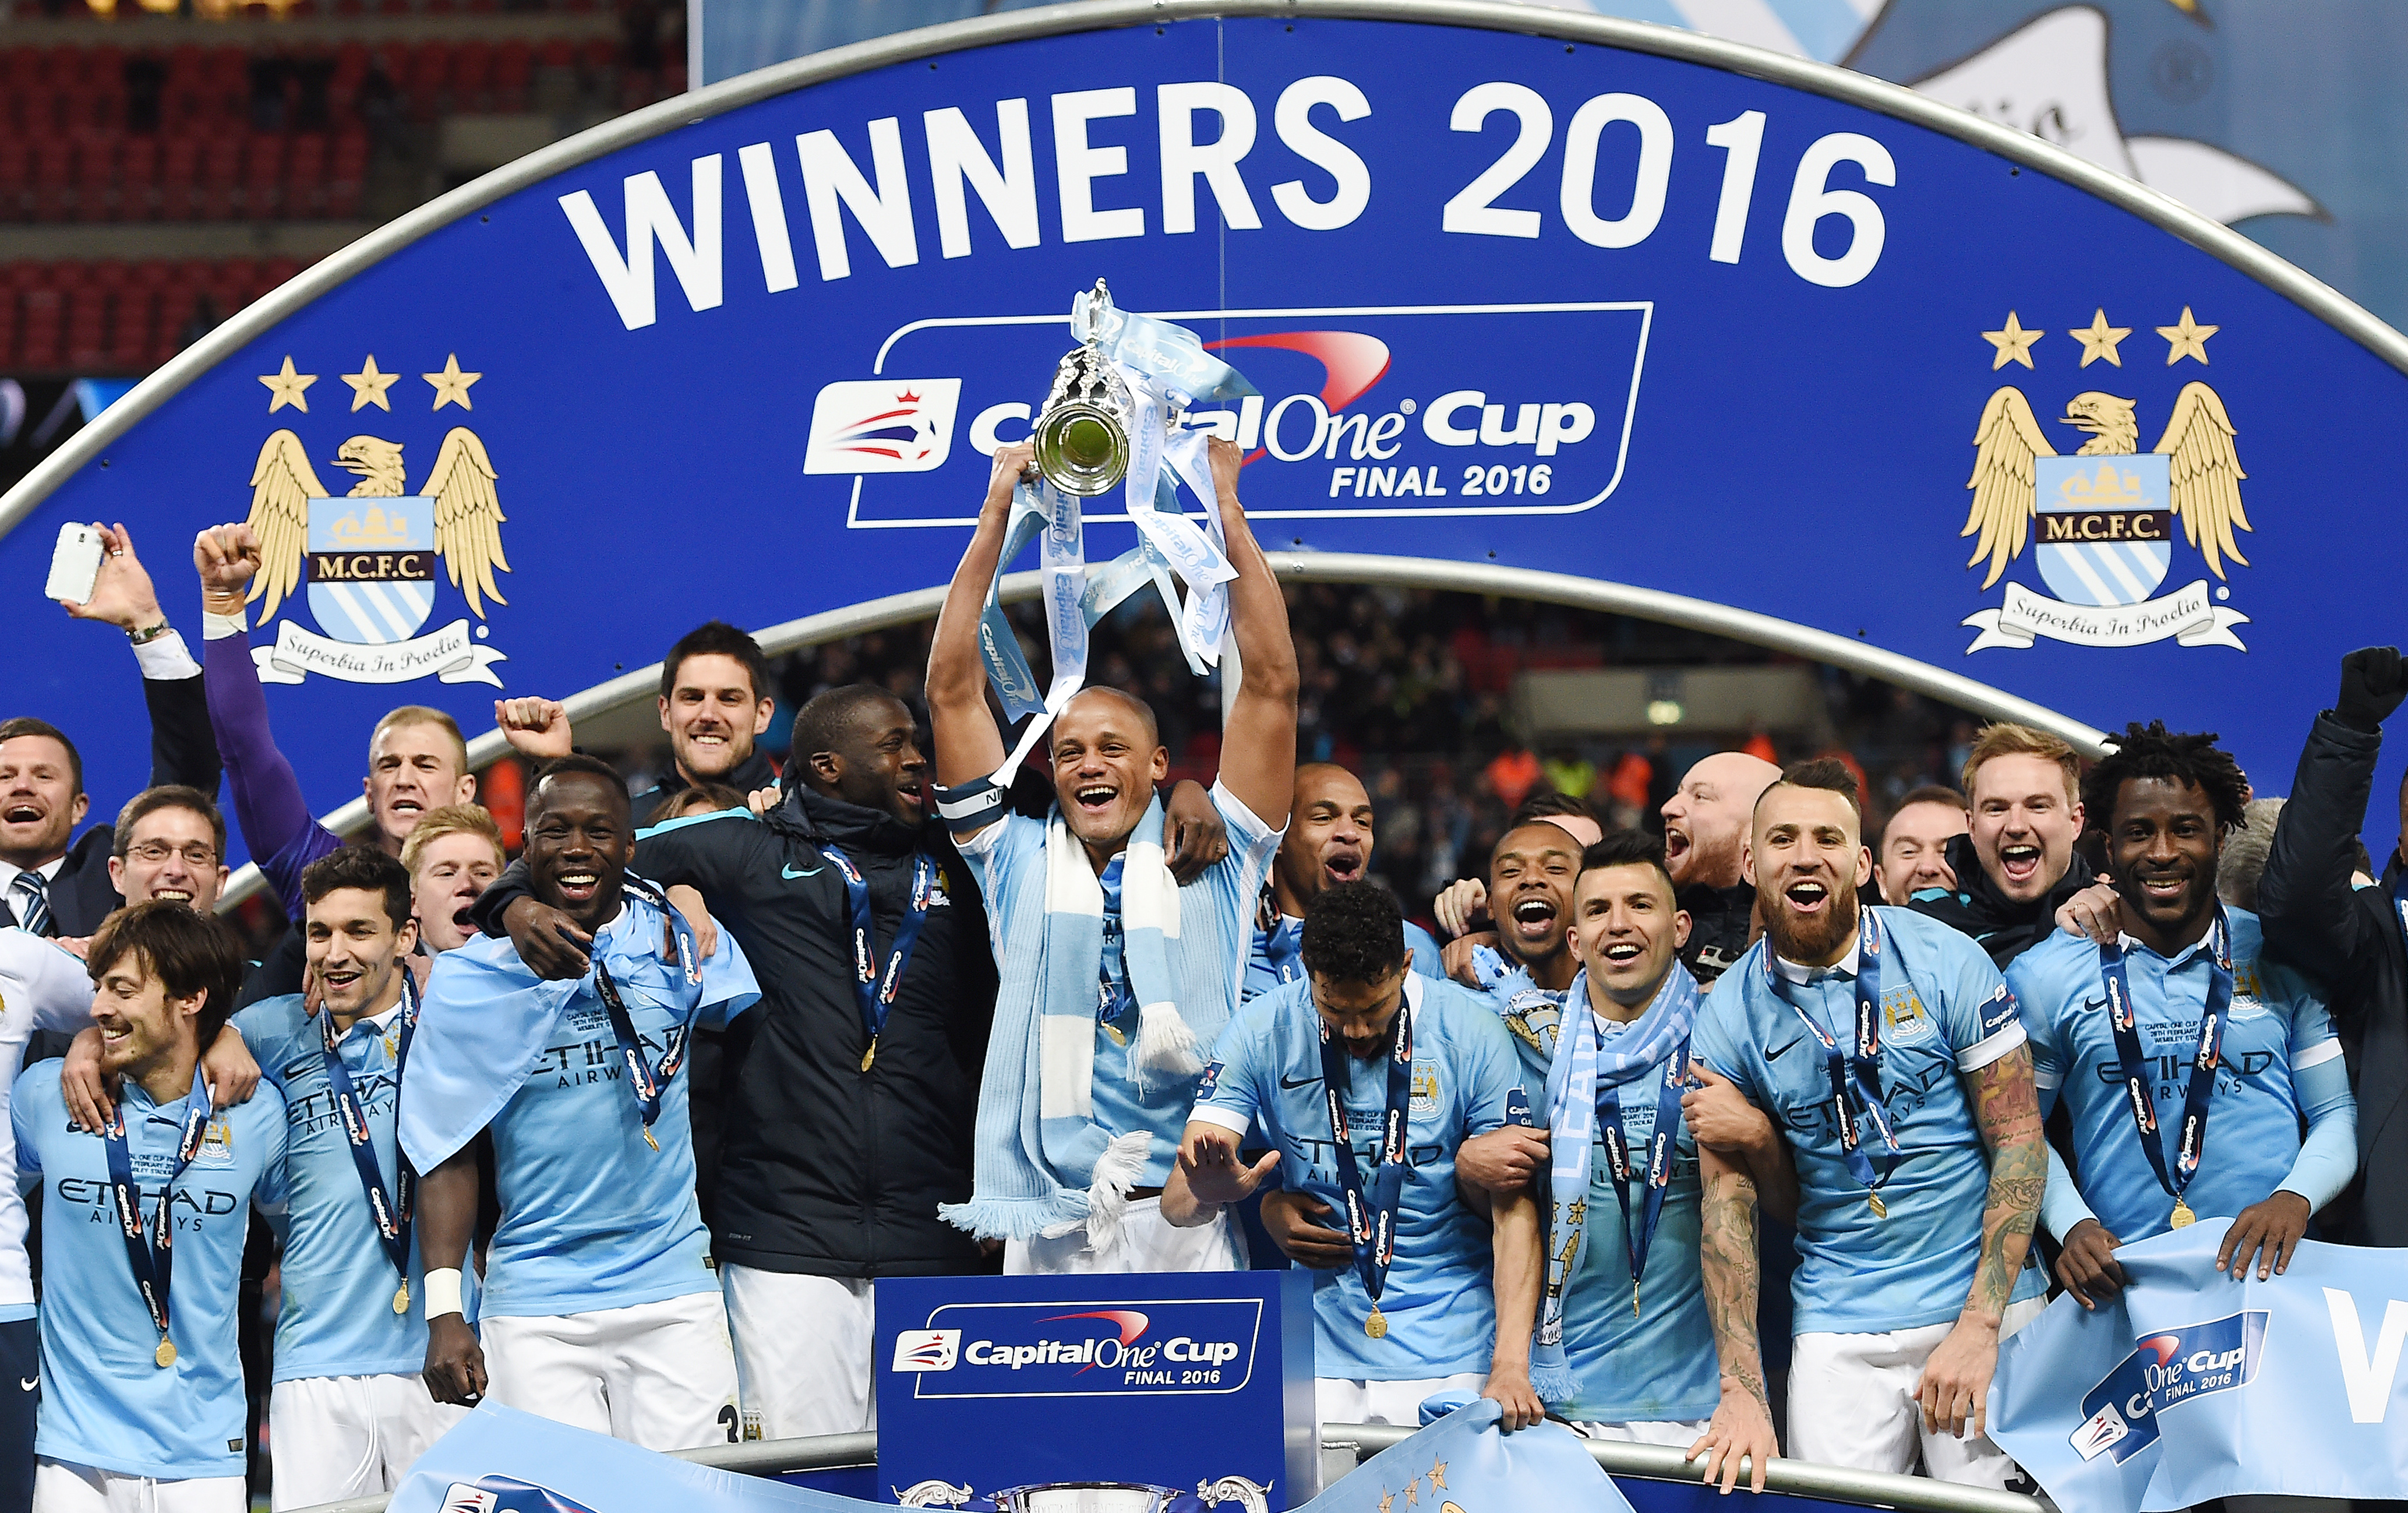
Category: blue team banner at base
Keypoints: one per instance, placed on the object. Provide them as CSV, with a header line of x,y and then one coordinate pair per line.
x,y
501,1461
2191,1386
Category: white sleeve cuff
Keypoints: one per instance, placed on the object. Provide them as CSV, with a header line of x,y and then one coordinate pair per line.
x,y
219,627
166,659
2047,1078
2316,1055
1229,1120
1990,1048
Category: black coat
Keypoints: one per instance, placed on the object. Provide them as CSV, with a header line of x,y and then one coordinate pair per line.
x,y
2349,940
1719,922
753,771
184,749
826,1167
1998,924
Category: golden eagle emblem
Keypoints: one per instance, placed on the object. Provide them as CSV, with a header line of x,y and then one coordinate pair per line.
x,y
467,511
2202,483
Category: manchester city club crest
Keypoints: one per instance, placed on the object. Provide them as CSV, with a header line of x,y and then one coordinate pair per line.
x,y
372,557
2111,521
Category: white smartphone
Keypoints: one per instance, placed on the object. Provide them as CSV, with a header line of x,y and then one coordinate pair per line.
x,y
74,564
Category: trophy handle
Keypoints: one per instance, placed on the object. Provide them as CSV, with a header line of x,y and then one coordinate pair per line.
x,y
933,1494
1249,1496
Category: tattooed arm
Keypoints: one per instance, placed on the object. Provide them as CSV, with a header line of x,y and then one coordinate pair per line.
x,y
2006,1106
1742,1422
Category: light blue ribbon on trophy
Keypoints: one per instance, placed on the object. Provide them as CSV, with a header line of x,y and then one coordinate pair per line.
x,y
1166,371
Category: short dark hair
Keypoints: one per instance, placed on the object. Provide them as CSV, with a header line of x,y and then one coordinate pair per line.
x,y
25,725
701,799
2152,751
1547,805
717,637
1627,848
190,954
573,765
829,717
166,796
1933,793
1829,774
365,868
1354,932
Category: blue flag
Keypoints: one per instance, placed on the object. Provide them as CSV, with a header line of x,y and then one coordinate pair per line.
x,y
498,1460
1463,1461
2191,1385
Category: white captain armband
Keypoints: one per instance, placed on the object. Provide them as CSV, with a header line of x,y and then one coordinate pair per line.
x,y
443,1293
972,806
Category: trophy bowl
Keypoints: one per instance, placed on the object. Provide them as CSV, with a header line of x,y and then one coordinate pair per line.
x,y
1082,435
1084,1497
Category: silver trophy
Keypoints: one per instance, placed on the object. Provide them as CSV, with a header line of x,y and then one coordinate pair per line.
x,y
1091,1496
1082,433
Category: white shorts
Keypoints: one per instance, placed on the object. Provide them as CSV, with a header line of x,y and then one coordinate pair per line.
x,y
1678,1433
330,1438
60,1487
1342,1400
803,1352
1852,1404
1146,1242
658,1374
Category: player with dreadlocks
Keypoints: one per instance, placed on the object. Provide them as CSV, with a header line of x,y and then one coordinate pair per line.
x,y
2185,1062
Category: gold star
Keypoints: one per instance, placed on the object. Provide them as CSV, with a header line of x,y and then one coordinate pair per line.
x,y
287,387
368,387
1387,1501
451,385
1413,1492
2099,339
1437,1475
2188,340
2014,343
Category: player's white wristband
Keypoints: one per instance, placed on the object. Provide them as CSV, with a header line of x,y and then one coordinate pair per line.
x,y
443,1293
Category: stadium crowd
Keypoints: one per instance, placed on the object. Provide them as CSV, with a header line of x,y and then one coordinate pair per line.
x,y
622,1132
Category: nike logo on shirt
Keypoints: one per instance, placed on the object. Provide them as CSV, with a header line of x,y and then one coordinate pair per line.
x,y
2094,1003
788,872
1774,1056
26,1384
1298,1082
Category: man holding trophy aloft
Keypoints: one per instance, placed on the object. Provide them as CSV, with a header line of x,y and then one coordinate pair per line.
x,y
1113,979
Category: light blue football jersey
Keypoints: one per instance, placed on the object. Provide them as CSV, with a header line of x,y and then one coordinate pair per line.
x,y
1010,855
336,1317
2277,1027
106,1402
1265,1076
1945,1011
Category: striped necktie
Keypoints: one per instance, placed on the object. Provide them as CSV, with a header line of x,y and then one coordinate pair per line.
x,y
30,898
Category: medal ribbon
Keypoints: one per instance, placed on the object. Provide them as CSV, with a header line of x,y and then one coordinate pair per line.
x,y
152,1260
642,1081
1858,1074
2191,1142
391,1214
1372,1222
874,991
1659,1173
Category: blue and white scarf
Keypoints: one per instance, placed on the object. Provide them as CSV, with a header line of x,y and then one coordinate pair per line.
x,y
1579,1063
1045,1167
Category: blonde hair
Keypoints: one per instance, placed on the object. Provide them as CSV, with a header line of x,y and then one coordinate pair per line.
x,y
421,715
451,819
2005,739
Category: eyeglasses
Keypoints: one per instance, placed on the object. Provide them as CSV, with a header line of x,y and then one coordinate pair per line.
x,y
155,852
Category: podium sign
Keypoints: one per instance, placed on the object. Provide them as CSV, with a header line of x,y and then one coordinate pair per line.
x,y
1196,1383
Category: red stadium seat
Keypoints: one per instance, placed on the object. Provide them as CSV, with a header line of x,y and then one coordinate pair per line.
x,y
263,180
220,170
53,174
16,181
137,177
513,69
180,177
95,183
130,332
305,175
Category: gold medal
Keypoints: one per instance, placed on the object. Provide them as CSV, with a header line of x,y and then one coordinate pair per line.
x,y
2184,1218
1114,1030
869,1056
165,1354
649,1140
1377,1325
1634,1297
401,1299
1873,1201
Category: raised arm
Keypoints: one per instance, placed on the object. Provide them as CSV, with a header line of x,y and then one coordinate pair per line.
x,y
1258,744
183,749
968,744
268,800
1956,1385
2304,899
1742,1421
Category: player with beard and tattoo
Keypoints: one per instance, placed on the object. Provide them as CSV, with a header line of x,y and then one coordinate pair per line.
x,y
599,1308
2015,868
1328,841
2167,803
1705,830
1917,1183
